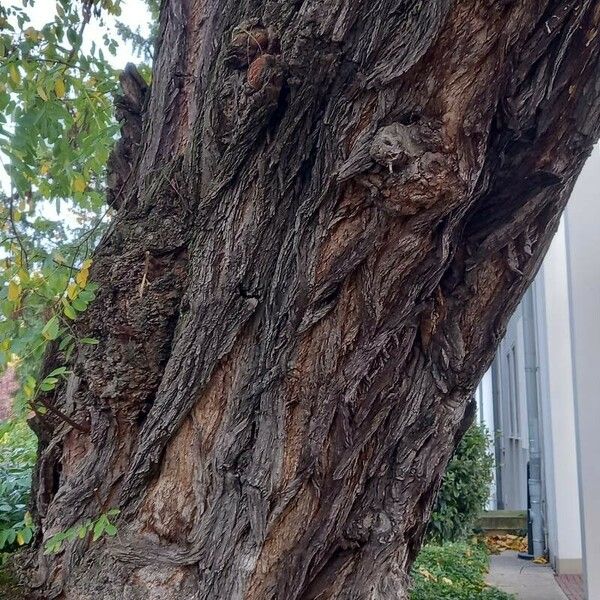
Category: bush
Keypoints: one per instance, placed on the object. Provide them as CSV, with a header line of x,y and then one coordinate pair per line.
x,y
453,571
17,457
465,488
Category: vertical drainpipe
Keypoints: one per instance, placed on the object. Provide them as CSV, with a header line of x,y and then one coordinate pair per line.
x,y
535,454
497,435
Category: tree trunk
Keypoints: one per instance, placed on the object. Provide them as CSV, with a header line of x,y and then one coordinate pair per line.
x,y
334,208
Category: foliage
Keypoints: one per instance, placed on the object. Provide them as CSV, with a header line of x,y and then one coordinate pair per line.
x,y
97,527
17,456
465,488
453,571
38,309
56,132
57,127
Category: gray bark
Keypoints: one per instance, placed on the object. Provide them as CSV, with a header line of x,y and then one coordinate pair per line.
x,y
333,211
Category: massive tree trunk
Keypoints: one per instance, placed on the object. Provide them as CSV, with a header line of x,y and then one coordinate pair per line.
x,y
334,209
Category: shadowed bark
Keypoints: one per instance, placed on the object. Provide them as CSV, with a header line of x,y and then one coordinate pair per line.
x,y
331,213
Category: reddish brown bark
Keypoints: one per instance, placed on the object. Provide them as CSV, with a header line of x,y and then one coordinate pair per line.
x,y
333,212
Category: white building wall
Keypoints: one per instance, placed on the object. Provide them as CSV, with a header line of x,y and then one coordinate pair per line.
x,y
485,416
583,252
485,402
557,409
567,302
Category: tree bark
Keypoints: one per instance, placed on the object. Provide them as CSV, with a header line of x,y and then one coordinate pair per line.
x,y
333,210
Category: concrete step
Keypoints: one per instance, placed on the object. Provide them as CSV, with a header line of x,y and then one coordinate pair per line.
x,y
497,522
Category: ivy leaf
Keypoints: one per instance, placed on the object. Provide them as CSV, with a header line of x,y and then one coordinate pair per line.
x,y
48,384
57,372
24,536
79,304
69,310
32,34
14,291
99,528
51,329
65,342
79,184
59,87
72,291
15,75
82,277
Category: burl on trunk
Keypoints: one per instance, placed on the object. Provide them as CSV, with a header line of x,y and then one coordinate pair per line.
x,y
326,213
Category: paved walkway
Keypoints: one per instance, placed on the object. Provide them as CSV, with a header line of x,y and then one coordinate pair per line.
x,y
572,586
525,579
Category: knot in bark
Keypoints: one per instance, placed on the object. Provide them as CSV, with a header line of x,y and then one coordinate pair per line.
x,y
393,146
266,72
250,40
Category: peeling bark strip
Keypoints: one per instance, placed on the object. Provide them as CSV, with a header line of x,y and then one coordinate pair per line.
x,y
129,111
335,209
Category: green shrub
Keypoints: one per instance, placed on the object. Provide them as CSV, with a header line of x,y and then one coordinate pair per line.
x,y
17,457
453,571
465,488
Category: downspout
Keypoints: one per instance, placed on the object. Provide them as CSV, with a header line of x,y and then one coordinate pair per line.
x,y
497,438
535,453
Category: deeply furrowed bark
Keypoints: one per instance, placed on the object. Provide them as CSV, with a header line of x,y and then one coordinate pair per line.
x,y
334,209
